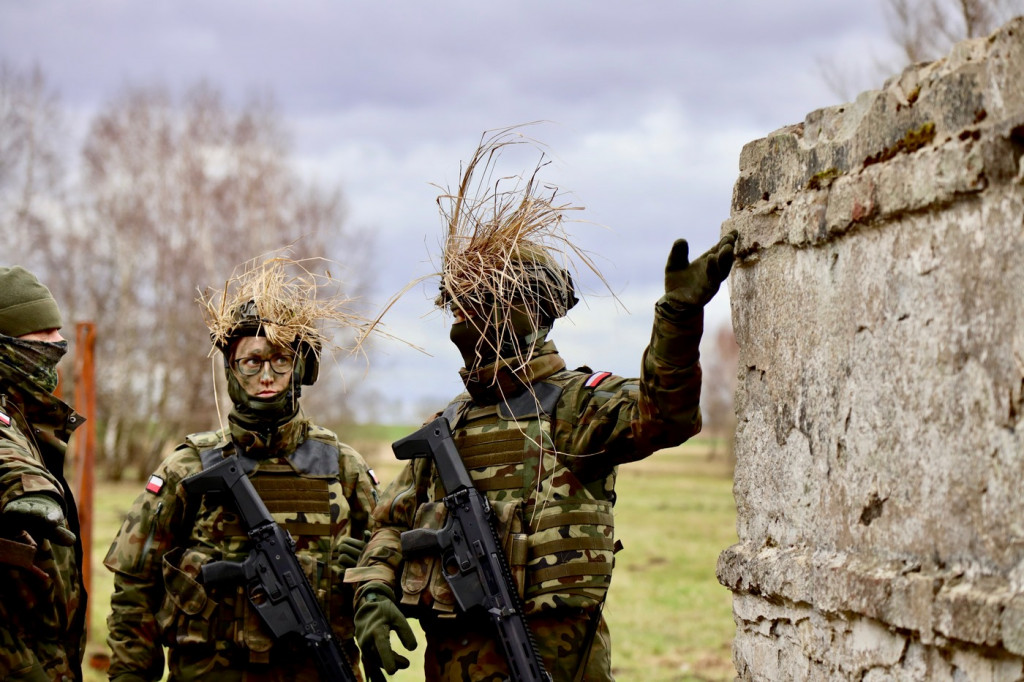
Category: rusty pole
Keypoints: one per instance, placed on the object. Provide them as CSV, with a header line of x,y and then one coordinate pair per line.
x,y
85,443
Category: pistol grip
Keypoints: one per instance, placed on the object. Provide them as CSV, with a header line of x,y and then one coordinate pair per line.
x,y
420,541
218,573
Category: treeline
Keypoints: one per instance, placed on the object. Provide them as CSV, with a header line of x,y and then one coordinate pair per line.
x,y
160,197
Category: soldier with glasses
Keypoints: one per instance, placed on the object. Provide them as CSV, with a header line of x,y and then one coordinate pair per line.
x,y
317,488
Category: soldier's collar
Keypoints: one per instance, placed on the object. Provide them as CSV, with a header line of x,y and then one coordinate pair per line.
x,y
275,442
500,382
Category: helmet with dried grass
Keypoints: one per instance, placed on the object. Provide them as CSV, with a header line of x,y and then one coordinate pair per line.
x,y
502,272
284,300
531,278
246,320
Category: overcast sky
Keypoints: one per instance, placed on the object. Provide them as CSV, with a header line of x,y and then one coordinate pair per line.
x,y
646,104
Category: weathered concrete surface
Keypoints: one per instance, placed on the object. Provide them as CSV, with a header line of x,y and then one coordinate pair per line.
x,y
879,308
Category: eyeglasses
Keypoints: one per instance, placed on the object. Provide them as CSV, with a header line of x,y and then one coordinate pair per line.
x,y
282,363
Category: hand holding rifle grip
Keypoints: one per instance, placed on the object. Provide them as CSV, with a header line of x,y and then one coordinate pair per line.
x,y
473,560
277,586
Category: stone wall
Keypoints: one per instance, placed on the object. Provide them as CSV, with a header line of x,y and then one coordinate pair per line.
x,y
879,307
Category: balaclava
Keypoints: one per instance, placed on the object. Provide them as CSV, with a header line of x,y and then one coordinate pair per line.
x,y
26,307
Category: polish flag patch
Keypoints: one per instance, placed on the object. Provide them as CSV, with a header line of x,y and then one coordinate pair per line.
x,y
596,378
373,476
155,485
4,419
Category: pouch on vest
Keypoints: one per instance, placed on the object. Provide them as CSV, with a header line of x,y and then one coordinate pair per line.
x,y
571,552
423,582
187,615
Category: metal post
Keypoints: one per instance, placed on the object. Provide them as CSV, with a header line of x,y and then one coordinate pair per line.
x,y
85,441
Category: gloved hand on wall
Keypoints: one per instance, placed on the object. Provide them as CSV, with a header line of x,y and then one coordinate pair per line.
x,y
689,286
376,616
41,516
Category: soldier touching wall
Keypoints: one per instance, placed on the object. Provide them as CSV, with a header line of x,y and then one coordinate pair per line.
x,y
542,441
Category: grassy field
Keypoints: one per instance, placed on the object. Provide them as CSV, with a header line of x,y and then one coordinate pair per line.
x,y
670,619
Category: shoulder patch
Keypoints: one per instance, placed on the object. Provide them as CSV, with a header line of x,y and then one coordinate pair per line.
x,y
155,485
595,379
4,420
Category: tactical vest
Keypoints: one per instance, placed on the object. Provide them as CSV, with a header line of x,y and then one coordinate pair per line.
x,y
304,494
557,530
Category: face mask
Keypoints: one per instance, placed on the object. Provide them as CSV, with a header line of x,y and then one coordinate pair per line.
x,y
478,347
36,359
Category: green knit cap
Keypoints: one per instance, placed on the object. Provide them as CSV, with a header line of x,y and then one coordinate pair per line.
x,y
26,305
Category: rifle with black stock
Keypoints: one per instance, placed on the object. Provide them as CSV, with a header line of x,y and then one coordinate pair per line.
x,y
472,558
276,584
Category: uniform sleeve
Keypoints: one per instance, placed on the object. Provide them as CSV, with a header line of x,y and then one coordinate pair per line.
x,y
21,472
136,559
622,420
360,488
393,514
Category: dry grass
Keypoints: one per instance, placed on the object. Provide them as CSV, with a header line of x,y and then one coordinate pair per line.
x,y
505,247
292,300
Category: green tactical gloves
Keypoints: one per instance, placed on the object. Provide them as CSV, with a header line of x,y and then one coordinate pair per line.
x,y
376,616
348,554
689,286
41,516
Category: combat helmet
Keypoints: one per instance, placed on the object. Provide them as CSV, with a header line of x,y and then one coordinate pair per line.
x,y
506,257
246,320
283,300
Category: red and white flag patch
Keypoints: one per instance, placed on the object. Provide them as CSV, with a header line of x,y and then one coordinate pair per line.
x,y
596,378
4,419
155,485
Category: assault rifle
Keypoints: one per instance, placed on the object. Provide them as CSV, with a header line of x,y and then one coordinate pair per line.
x,y
277,586
472,559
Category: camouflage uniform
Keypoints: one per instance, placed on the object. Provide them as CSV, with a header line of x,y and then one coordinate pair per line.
x,y
317,488
42,598
546,459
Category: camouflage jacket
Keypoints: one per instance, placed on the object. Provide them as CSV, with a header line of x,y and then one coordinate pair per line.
x,y
167,537
42,597
547,460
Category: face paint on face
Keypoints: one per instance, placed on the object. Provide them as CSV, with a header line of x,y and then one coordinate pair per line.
x,y
256,351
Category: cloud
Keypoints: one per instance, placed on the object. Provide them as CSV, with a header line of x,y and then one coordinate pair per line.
x,y
647,104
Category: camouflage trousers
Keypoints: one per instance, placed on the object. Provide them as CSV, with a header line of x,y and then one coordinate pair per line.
x,y
34,661
466,648
291,663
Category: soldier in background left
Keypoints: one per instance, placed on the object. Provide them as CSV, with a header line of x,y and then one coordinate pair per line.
x,y
317,488
42,598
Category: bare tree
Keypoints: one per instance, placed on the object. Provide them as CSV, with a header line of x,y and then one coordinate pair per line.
x,y
926,29
719,388
921,31
172,196
32,171
176,197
